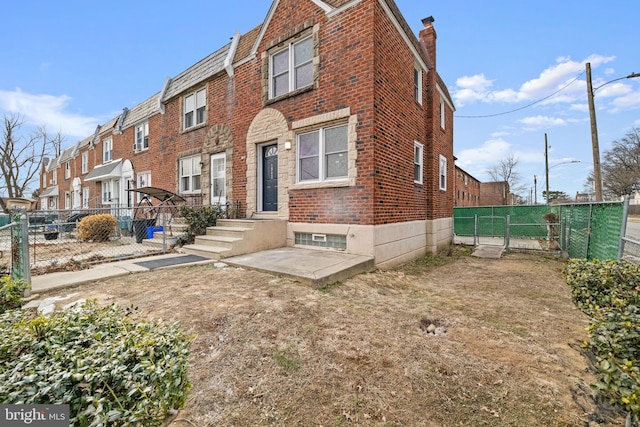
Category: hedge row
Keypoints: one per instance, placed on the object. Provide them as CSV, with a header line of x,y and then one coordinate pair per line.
x,y
111,369
608,291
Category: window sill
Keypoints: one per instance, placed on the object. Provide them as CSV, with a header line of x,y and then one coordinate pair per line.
x,y
290,94
196,127
140,151
320,184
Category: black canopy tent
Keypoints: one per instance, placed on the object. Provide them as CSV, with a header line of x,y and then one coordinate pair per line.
x,y
146,212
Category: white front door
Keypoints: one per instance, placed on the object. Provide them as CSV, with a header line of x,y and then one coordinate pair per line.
x,y
218,179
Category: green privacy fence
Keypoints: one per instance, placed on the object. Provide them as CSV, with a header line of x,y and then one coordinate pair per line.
x,y
589,230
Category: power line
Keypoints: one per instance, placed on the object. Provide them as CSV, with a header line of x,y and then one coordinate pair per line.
x,y
526,106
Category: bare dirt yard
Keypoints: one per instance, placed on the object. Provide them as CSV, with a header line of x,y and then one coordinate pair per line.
x,y
270,351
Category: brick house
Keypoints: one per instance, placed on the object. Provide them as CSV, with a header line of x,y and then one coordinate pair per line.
x,y
467,189
329,116
495,193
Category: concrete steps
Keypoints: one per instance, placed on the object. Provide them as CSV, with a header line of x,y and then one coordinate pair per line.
x,y
238,236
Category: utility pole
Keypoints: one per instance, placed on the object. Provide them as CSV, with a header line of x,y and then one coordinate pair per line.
x,y
546,165
535,189
597,175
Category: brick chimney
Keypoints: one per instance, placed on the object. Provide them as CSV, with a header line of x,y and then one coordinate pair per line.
x,y
428,38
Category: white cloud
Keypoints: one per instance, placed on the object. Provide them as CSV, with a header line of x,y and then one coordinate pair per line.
x,y
477,160
538,122
562,75
49,111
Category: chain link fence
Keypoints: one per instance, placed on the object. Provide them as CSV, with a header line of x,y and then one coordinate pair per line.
x,y
66,240
589,230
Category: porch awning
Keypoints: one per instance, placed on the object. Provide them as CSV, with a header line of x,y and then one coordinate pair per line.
x,y
50,192
105,172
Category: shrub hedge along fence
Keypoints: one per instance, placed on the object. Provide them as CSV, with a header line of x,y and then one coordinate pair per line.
x,y
609,292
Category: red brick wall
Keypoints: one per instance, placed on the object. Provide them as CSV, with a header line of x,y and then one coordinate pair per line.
x,y
345,80
467,189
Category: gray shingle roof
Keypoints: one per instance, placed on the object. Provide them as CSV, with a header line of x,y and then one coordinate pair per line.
x,y
69,153
197,73
142,111
108,127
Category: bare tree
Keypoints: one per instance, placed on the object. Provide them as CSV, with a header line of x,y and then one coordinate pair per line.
x,y
20,157
505,171
621,166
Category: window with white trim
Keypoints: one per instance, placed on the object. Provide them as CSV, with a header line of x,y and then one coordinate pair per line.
x,y
218,178
418,150
85,197
107,150
194,109
291,68
443,173
67,170
322,154
417,84
106,192
442,111
142,137
143,179
54,177
85,162
190,170
67,200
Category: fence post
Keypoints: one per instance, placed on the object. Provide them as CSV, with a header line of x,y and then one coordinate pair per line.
x,y
623,227
507,232
164,231
21,268
475,230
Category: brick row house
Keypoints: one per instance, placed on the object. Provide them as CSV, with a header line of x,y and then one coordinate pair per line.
x,y
329,116
467,189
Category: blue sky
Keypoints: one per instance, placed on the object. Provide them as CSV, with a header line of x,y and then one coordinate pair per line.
x,y
71,65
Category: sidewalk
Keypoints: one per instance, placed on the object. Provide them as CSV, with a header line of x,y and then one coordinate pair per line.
x,y
48,282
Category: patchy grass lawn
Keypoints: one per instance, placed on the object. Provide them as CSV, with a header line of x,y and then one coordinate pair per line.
x,y
272,352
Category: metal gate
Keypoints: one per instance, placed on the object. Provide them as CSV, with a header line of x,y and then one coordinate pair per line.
x,y
491,230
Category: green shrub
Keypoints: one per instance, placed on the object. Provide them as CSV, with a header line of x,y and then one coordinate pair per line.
x,y
198,218
97,228
110,369
597,284
608,292
615,341
11,290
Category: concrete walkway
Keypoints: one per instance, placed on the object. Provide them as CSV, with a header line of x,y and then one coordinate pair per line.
x,y
314,267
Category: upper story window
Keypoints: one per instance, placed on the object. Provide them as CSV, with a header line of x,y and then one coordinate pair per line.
x,y
107,150
67,170
194,109
142,137
54,177
322,154
291,68
85,162
417,84
143,180
443,173
190,174
417,162
442,111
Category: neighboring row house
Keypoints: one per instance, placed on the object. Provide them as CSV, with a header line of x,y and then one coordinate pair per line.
x,y
467,189
329,116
